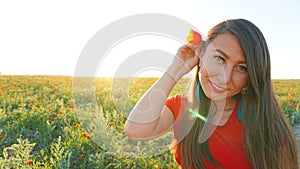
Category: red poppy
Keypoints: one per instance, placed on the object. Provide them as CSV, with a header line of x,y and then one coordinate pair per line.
x,y
86,135
29,162
71,106
81,156
194,38
1,137
111,124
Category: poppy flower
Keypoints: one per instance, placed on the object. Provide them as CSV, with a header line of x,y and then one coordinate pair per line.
x,y
86,135
1,137
29,162
81,156
194,38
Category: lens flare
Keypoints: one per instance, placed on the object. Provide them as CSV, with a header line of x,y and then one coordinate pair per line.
x,y
195,114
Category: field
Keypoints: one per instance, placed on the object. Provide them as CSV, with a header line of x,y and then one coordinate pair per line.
x,y
43,125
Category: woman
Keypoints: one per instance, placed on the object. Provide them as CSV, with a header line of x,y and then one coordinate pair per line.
x,y
233,92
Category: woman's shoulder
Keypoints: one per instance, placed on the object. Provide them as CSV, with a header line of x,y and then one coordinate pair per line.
x,y
177,100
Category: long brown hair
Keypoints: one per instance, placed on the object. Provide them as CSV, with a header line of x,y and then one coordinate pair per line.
x,y
269,139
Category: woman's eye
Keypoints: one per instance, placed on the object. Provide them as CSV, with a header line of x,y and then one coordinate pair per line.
x,y
242,68
219,59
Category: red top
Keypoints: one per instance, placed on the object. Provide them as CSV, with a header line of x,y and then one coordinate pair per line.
x,y
226,144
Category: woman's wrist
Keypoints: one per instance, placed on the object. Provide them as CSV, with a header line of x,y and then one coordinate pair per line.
x,y
177,72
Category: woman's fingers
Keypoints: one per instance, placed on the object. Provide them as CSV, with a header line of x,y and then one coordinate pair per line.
x,y
188,55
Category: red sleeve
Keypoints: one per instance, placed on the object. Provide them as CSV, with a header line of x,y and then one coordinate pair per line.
x,y
177,104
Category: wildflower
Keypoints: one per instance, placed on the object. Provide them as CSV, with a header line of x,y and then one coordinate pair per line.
x,y
86,135
38,132
53,118
30,105
81,156
111,124
292,101
1,137
293,106
60,112
193,38
77,125
29,162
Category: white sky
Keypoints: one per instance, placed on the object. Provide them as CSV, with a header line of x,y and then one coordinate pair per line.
x,y
46,37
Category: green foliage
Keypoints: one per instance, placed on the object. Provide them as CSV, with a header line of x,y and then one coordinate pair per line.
x,y
41,110
17,155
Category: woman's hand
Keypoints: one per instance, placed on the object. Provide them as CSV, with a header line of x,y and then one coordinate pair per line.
x,y
185,60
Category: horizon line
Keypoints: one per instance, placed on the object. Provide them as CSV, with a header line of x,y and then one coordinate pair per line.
x,y
51,75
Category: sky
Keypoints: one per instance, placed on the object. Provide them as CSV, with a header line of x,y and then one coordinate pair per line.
x,y
47,37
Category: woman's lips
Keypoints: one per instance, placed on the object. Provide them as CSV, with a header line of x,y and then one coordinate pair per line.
x,y
217,88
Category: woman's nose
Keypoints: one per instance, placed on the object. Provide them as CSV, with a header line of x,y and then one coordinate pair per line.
x,y
225,75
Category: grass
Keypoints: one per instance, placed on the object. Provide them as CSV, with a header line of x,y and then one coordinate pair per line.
x,y
42,127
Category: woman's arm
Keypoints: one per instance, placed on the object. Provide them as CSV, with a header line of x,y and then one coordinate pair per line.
x,y
150,117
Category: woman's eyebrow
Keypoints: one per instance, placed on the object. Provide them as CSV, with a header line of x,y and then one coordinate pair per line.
x,y
222,52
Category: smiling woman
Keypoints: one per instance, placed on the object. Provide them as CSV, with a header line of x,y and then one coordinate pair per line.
x,y
240,123
224,72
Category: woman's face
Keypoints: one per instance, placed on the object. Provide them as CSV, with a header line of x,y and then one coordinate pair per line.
x,y
223,68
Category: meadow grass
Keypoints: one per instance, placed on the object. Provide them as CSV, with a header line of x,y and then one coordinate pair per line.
x,y
41,129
